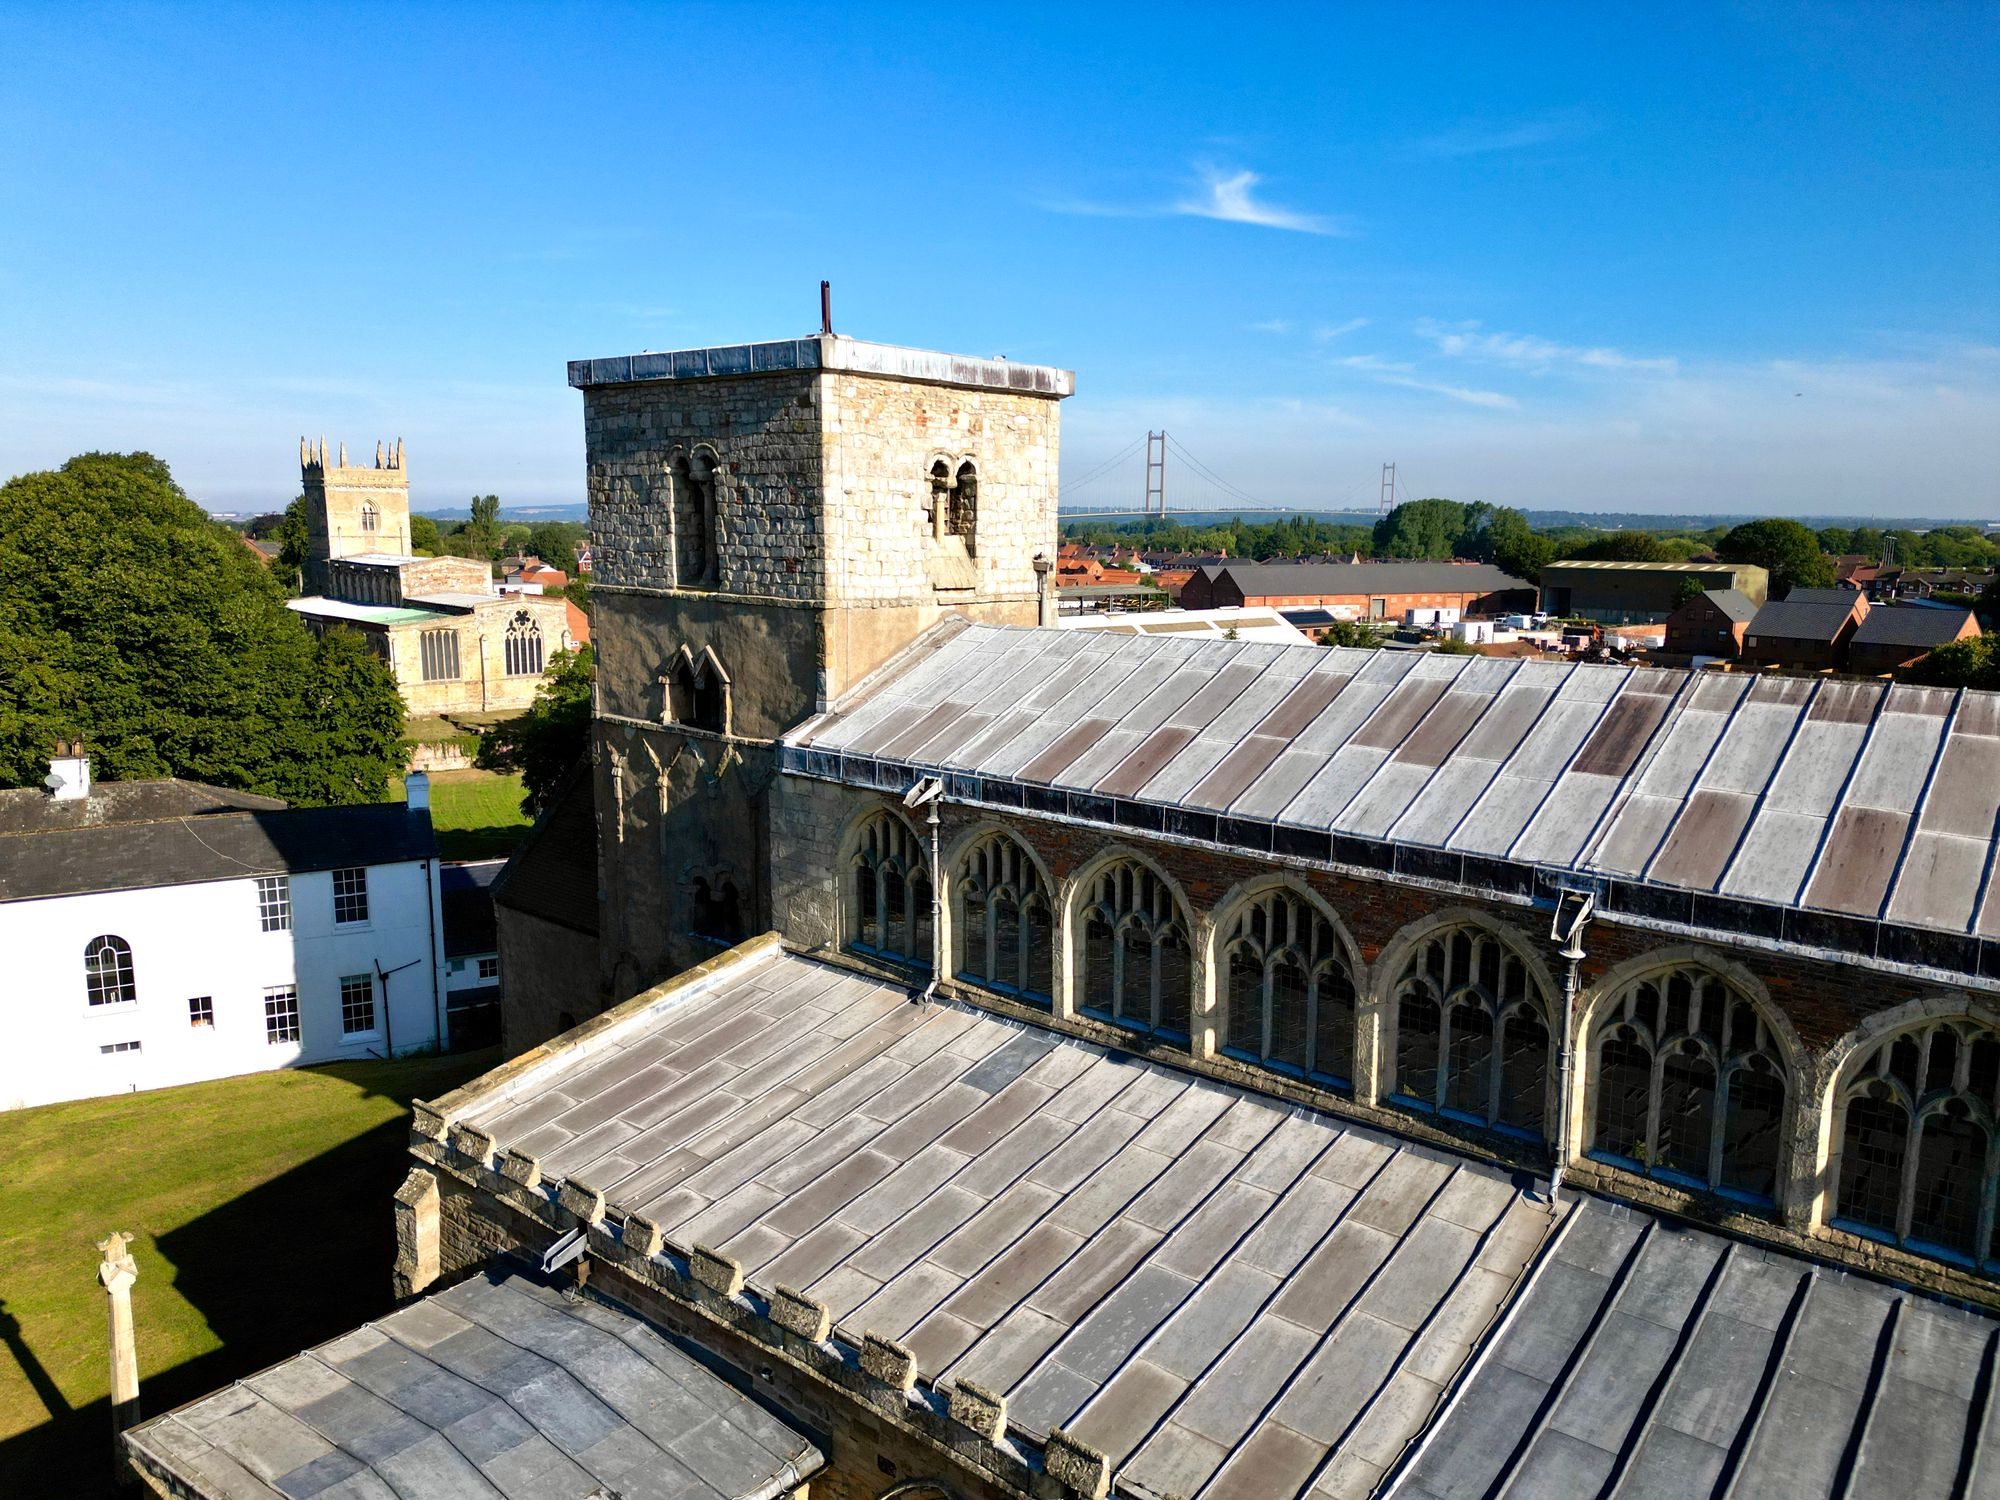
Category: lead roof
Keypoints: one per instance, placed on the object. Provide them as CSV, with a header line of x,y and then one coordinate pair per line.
x,y
1872,800
497,1387
1226,1295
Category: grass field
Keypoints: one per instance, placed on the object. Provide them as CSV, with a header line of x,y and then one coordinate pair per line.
x,y
477,814
261,1210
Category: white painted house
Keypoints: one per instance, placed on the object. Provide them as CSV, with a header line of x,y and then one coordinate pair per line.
x,y
164,932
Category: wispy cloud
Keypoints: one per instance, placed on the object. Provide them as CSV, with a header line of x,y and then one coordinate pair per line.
x,y
1328,332
1232,198
1229,195
1485,137
1272,325
1405,376
1526,351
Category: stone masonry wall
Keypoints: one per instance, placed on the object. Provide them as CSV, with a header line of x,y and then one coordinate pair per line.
x,y
765,433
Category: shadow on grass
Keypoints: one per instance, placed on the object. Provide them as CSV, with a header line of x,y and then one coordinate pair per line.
x,y
481,843
292,1263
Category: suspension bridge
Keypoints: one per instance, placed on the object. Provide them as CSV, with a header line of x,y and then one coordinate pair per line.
x,y
1141,468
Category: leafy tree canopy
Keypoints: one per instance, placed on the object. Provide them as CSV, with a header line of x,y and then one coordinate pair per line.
x,y
1786,549
1626,546
1351,633
482,534
129,618
424,538
1433,529
546,741
1967,663
555,542
293,540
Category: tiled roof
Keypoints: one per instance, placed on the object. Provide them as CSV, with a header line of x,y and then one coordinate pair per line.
x,y
1732,603
32,810
1806,621
465,896
1910,625
497,1387
1227,1296
1172,1270
1860,798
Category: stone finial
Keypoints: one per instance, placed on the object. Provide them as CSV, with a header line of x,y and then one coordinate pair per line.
x,y
426,1123
1076,1465
399,453
521,1168
419,1233
343,455
378,453
797,1313
976,1407
643,1235
716,1271
889,1362
581,1199
305,458
470,1140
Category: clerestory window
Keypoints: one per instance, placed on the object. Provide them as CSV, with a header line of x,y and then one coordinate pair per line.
x,y
1472,1033
1134,965
889,914
1005,922
1290,1000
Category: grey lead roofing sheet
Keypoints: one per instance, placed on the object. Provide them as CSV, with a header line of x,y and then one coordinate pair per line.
x,y
1644,1360
1856,797
497,1387
1227,1295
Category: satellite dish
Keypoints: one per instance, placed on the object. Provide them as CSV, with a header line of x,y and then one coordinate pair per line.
x,y
54,782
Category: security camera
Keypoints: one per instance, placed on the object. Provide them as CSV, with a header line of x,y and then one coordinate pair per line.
x,y
924,793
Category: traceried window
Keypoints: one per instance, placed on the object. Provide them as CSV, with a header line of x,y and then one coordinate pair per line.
x,y
524,646
1689,1084
357,1004
107,971
1915,1125
1005,921
889,910
692,477
274,903
437,651
1134,967
1472,1033
281,1014
350,895
1289,1001
371,518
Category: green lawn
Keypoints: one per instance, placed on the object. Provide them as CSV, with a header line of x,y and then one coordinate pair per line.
x,y
261,1210
477,814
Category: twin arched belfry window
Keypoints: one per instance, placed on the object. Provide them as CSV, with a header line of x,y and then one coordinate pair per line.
x,y
1689,1084
1472,1033
1916,1122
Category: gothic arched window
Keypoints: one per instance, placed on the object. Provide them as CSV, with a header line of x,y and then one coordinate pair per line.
x,y
1472,1032
107,971
693,480
1134,967
1289,999
524,646
1689,1084
1005,921
371,519
1915,1124
716,909
889,913
963,518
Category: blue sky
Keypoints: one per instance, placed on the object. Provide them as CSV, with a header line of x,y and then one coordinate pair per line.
x,y
1697,258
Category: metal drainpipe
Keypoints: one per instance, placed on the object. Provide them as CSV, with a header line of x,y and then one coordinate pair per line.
x,y
1573,952
937,904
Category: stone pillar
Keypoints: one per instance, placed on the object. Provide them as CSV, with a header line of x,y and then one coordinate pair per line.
x,y
116,1273
417,1233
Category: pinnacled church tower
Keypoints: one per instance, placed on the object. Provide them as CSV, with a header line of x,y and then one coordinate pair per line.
x,y
771,522
352,512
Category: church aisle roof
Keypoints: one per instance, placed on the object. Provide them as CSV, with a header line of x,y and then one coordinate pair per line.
x,y
497,1387
1858,800
1226,1295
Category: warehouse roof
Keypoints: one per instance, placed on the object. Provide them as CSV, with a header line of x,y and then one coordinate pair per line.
x,y
1789,797
497,1387
1654,567
1911,625
1293,580
1224,1294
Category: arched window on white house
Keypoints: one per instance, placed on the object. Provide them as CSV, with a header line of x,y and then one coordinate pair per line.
x,y
1689,1084
1915,1123
1472,1032
1134,966
524,646
107,971
889,885
1288,995
1005,921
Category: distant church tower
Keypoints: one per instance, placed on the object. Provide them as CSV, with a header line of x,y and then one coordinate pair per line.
x,y
351,512
770,523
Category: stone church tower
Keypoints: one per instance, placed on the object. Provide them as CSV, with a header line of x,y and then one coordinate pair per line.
x,y
351,512
771,522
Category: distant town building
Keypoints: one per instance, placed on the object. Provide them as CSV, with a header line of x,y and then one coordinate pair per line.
x,y
1640,593
1358,591
1898,636
164,932
1808,628
455,643
1712,623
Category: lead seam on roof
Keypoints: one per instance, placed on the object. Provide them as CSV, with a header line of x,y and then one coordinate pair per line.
x,y
1737,1459
1800,715
1621,796
1839,804
1569,763
1914,820
1695,781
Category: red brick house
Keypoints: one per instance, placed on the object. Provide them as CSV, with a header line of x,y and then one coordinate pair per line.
x,y
1712,623
1376,591
1895,636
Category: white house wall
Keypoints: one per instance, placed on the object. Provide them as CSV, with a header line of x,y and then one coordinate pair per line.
x,y
206,939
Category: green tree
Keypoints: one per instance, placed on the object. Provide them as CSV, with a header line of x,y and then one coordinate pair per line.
x,y
1421,529
577,591
1785,549
1625,546
546,741
424,538
1967,663
1690,587
129,618
1351,633
293,542
482,534
1836,540
1451,647
555,542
